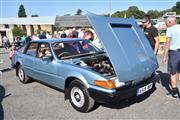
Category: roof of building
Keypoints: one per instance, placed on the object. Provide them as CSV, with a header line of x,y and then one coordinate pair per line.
x,y
59,21
29,20
72,21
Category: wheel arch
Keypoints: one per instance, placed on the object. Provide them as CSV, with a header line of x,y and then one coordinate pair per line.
x,y
69,80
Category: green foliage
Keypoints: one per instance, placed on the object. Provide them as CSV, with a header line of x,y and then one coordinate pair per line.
x,y
38,31
154,14
35,15
21,12
79,12
17,31
178,21
132,12
176,8
119,14
59,29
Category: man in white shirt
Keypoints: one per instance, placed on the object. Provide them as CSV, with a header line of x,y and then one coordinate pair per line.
x,y
172,53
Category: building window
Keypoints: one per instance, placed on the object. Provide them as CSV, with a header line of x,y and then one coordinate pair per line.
x,y
6,26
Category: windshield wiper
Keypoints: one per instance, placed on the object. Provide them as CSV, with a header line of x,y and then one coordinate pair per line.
x,y
82,55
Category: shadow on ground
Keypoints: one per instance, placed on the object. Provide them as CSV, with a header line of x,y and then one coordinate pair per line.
x,y
6,70
128,102
2,93
165,80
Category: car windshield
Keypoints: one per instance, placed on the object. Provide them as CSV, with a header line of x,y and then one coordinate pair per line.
x,y
71,49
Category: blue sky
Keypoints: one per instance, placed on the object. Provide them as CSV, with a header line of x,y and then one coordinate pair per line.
x,y
9,8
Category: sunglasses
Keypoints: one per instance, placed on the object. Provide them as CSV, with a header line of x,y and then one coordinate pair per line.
x,y
144,22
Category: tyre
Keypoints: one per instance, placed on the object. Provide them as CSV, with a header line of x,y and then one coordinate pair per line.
x,y
22,76
79,96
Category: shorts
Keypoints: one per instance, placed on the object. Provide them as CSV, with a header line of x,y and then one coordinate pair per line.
x,y
173,62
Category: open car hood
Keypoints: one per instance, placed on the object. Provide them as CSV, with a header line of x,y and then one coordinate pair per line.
x,y
127,47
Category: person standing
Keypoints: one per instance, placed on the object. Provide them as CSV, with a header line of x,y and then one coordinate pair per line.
x,y
6,42
172,53
151,33
75,33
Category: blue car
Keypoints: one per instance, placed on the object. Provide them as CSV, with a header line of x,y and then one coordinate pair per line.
x,y
86,74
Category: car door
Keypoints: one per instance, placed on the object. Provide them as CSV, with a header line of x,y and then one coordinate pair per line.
x,y
28,58
44,66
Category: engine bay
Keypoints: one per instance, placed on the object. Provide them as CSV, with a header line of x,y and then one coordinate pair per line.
x,y
100,64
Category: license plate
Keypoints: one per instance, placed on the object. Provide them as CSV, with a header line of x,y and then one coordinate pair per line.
x,y
144,89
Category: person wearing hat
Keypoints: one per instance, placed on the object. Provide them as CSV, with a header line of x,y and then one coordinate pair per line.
x,y
151,33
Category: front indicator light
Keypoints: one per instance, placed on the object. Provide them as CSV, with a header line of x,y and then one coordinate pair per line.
x,y
105,84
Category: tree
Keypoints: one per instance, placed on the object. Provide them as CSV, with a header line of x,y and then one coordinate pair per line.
x,y
176,8
178,21
79,12
21,12
154,14
119,14
134,12
17,31
35,15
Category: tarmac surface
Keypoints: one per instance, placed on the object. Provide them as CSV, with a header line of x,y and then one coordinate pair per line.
x,y
35,101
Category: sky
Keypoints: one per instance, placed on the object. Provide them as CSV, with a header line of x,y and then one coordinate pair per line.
x,y
9,8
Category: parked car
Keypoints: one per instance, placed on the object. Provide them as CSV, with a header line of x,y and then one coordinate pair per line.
x,y
86,74
162,39
162,36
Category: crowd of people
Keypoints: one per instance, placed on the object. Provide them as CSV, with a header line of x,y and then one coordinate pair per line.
x,y
84,33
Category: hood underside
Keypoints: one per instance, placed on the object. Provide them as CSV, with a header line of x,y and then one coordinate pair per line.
x,y
127,48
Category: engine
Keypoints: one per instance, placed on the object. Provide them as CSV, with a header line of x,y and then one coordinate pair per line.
x,y
99,64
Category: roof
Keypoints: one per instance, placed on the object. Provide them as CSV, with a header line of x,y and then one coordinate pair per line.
x,y
72,21
29,20
59,21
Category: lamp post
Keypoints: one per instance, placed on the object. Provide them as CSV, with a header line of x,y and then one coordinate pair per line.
x,y
109,8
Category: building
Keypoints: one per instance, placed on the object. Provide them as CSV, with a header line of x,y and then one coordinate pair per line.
x,y
30,25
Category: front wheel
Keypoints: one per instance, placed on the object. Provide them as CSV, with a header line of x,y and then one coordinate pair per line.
x,y
79,96
21,75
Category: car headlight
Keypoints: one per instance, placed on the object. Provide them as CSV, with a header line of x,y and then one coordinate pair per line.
x,y
117,83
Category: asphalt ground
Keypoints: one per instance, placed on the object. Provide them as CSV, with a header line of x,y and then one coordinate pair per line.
x,y
35,101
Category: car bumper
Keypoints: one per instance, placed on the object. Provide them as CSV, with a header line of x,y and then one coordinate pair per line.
x,y
121,93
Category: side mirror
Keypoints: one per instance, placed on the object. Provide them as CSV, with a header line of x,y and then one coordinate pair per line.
x,y
47,58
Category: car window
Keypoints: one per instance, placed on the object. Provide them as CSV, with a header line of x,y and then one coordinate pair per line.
x,y
73,48
32,49
21,49
44,50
